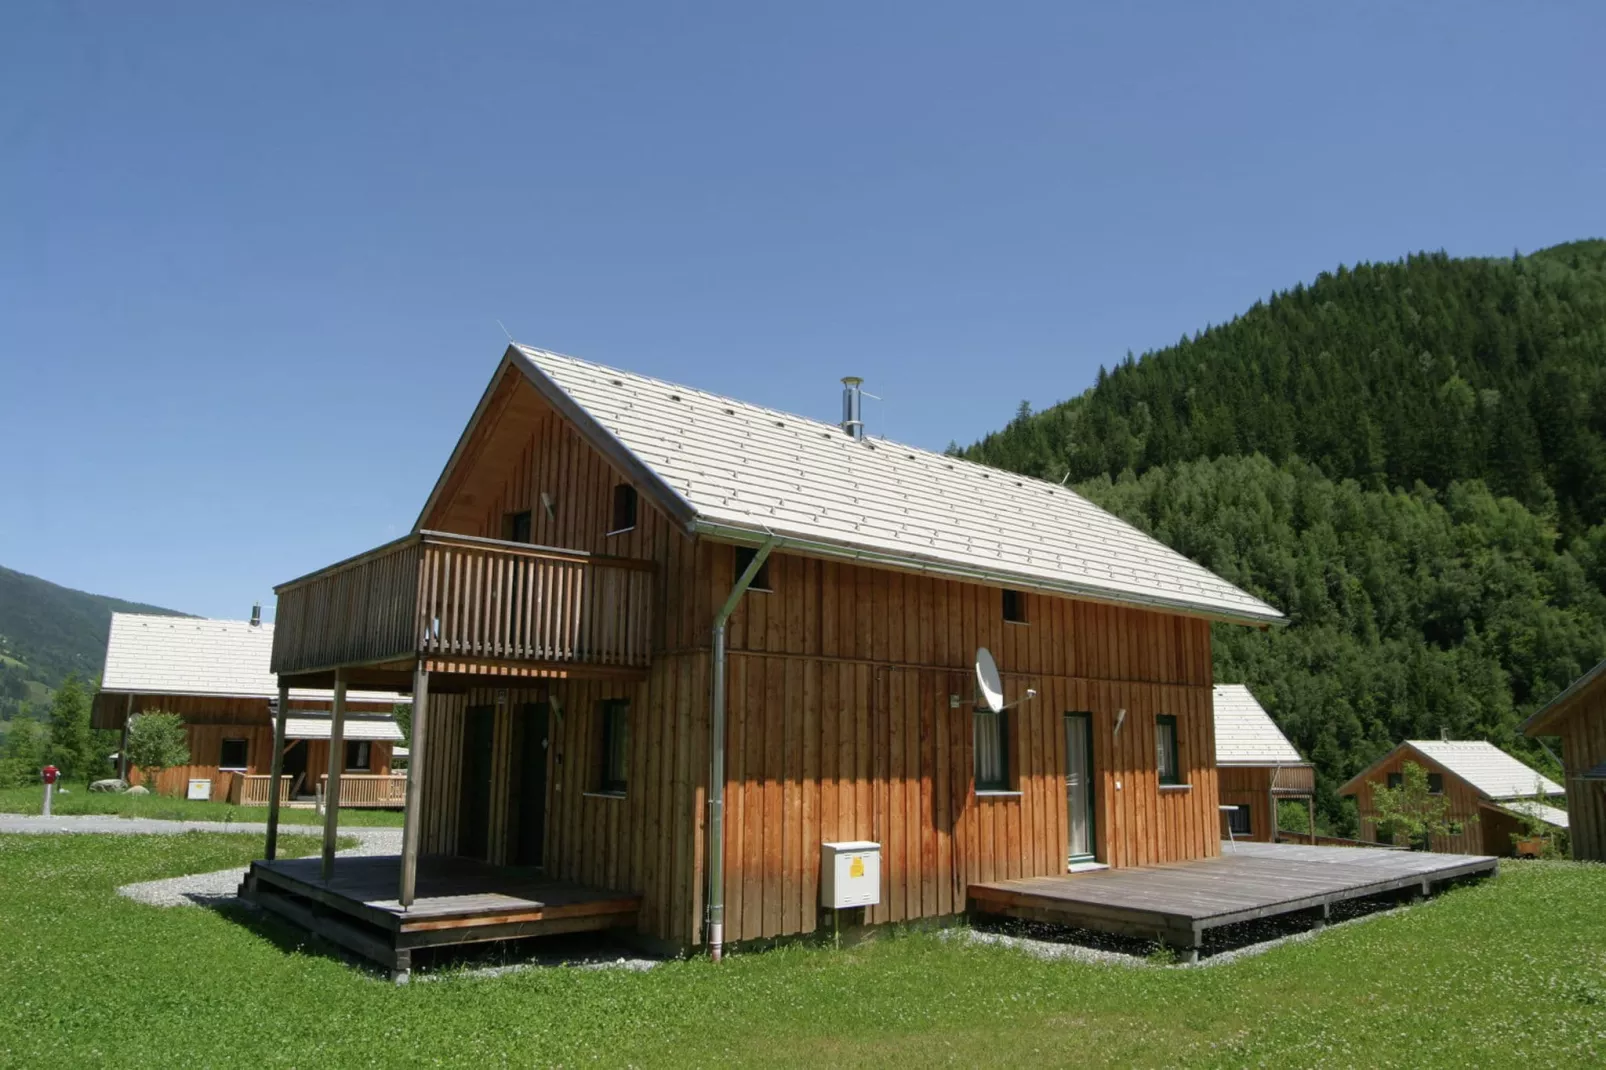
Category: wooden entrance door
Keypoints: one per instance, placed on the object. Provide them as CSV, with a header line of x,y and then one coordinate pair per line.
x,y
531,742
474,809
1079,785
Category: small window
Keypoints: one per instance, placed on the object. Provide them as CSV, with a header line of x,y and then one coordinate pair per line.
x,y
1238,821
1165,749
234,754
991,732
516,527
744,557
359,755
615,749
1396,781
624,508
1435,783
1015,606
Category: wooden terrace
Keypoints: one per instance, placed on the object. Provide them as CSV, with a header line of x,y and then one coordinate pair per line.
x,y
459,901
1177,902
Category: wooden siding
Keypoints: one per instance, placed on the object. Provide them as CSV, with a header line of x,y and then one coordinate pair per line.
x,y
1583,747
1249,785
1465,803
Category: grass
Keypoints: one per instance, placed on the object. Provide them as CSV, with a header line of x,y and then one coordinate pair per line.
x,y
80,800
1508,973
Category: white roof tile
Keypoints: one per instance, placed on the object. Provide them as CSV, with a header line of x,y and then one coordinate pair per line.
x,y
1245,732
302,726
755,469
152,655
1550,815
1487,768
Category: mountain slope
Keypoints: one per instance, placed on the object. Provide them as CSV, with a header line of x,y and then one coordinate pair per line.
x,y
1432,369
48,631
1409,459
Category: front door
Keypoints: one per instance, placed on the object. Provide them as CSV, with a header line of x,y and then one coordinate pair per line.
x,y
530,744
474,803
295,766
1079,785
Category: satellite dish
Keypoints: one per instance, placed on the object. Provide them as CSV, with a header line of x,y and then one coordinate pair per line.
x,y
988,682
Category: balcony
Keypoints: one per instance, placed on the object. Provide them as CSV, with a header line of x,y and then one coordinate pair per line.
x,y
466,605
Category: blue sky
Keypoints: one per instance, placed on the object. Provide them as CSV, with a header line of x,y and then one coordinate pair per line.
x,y
252,256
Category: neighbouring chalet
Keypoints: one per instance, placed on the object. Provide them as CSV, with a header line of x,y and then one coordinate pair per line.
x,y
1256,767
1488,790
214,674
664,645
1578,716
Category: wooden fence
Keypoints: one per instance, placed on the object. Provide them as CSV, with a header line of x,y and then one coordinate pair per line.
x,y
251,789
368,789
469,599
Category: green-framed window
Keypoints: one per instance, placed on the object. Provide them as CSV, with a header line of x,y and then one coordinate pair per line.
x,y
991,738
1165,749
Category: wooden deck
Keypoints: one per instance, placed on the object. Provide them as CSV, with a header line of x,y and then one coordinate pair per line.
x,y
459,901
1176,903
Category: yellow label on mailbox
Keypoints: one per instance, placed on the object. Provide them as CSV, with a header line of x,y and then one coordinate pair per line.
x,y
856,867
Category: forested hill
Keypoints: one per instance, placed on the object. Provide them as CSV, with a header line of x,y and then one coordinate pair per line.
x,y
48,631
1409,459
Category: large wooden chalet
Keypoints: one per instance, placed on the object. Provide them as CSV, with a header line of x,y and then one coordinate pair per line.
x,y
214,674
1578,716
663,645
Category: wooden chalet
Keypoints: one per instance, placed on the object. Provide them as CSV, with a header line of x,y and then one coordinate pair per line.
x,y
663,645
1257,767
214,674
1488,789
1578,716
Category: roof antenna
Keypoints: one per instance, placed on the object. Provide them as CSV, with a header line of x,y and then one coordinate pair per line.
x,y
506,332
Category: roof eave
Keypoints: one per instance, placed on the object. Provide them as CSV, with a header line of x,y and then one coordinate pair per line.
x,y
813,545
1544,720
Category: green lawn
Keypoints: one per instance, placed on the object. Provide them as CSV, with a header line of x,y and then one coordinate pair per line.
x,y
1508,973
79,800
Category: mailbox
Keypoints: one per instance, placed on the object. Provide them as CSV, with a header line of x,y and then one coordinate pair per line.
x,y
850,874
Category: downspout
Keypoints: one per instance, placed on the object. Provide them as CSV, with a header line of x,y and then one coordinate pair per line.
x,y
716,750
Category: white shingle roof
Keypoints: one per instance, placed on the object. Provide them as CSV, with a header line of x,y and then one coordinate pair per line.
x,y
1550,815
1487,768
152,655
302,726
1245,732
747,470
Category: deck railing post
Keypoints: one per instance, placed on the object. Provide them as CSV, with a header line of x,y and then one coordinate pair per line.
x,y
337,761
276,770
415,786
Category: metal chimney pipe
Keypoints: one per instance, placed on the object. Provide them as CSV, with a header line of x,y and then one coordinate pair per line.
x,y
852,422
256,614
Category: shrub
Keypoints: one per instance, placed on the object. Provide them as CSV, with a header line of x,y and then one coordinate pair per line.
x,y
157,741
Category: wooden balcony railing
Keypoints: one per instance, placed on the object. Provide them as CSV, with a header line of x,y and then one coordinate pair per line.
x,y
368,789
1295,780
251,789
463,599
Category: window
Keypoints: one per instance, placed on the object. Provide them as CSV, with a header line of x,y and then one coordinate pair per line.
x,y
1165,749
1396,780
359,754
615,749
233,754
516,527
744,557
624,508
1238,821
1435,783
991,733
1015,607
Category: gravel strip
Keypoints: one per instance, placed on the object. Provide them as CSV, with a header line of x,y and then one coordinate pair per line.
x,y
212,889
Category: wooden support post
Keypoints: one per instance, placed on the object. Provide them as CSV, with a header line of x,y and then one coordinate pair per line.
x,y
411,818
276,771
1310,811
337,762
122,750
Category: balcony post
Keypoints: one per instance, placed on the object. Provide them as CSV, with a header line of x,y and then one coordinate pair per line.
x,y
337,762
276,770
415,786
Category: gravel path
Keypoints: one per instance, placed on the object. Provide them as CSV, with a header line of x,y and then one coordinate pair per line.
x,y
196,889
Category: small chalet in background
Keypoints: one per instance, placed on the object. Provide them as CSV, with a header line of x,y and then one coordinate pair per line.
x,y
1488,790
214,674
1578,716
1256,766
